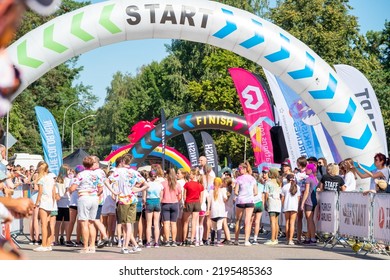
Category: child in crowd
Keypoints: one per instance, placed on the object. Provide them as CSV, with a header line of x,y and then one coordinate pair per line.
x,y
290,200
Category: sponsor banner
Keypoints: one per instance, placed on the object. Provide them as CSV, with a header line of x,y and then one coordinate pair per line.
x,y
326,215
365,94
258,113
192,149
304,133
354,214
51,140
381,218
210,151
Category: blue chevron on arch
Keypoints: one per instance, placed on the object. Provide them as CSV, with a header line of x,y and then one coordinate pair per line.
x,y
345,117
327,93
283,53
306,72
167,132
135,154
359,143
257,39
188,121
154,137
144,145
229,28
176,124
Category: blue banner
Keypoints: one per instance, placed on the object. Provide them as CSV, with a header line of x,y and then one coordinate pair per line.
x,y
51,140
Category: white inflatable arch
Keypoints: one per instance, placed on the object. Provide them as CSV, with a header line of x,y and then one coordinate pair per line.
x,y
211,23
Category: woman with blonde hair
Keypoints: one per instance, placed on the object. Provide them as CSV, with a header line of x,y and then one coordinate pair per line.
x,y
273,201
47,203
216,210
331,181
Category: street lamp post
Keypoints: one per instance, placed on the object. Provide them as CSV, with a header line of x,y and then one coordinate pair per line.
x,y
63,120
71,144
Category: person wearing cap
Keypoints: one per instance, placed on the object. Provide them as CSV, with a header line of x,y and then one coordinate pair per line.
x,y
309,202
285,170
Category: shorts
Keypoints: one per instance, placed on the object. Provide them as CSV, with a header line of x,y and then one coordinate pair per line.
x,y
170,212
259,207
309,208
138,215
99,212
63,215
276,214
192,207
73,207
152,205
245,205
109,206
127,213
54,213
87,208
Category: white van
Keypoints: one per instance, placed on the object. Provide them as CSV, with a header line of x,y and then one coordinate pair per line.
x,y
25,160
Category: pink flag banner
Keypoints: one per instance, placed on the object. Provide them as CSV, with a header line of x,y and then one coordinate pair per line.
x,y
258,114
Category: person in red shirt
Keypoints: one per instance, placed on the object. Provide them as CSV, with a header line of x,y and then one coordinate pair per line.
x,y
193,192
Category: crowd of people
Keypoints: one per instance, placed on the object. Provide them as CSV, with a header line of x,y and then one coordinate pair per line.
x,y
120,206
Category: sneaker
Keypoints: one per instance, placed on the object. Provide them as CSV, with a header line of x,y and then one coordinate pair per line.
x,y
313,242
197,244
83,251
156,245
102,243
62,241
192,244
270,242
41,249
174,244
140,243
138,249
254,242
219,244
50,248
147,245
248,244
91,250
236,243
227,242
290,242
124,251
166,244
32,242
70,243
306,242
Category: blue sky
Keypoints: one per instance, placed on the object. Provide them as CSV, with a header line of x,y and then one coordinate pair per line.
x,y
131,55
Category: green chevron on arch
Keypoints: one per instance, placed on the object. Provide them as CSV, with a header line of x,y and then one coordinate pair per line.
x,y
106,22
76,29
26,60
49,43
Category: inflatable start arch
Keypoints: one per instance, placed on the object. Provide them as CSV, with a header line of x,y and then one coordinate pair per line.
x,y
212,23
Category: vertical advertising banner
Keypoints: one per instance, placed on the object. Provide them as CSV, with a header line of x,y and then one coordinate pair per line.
x,y
51,140
354,214
304,133
326,216
192,149
210,151
258,113
381,218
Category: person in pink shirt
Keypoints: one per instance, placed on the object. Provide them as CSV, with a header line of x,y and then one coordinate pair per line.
x,y
171,196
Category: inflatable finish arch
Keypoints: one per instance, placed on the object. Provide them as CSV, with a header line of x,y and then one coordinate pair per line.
x,y
213,23
187,122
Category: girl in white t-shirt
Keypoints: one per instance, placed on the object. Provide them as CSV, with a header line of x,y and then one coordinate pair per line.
x,y
348,175
290,200
216,210
47,203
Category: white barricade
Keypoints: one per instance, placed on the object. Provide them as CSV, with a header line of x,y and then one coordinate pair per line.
x,y
327,214
381,218
355,214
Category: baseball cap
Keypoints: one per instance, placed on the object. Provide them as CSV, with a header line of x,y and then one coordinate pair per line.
x,y
43,7
286,162
265,169
312,159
